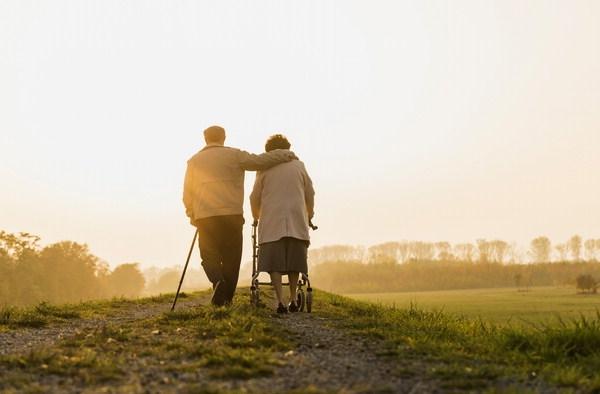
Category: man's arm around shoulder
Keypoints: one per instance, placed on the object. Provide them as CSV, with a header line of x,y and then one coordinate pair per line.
x,y
264,161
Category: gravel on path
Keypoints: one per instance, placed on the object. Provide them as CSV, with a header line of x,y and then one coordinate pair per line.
x,y
331,360
24,340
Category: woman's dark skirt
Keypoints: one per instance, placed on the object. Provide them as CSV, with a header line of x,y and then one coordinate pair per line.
x,y
286,255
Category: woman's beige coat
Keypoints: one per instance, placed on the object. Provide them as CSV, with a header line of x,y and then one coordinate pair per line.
x,y
283,202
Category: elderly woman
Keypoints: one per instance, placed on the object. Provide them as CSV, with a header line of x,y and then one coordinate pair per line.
x,y
283,202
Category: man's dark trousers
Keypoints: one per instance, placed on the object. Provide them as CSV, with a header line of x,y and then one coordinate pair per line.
x,y
220,240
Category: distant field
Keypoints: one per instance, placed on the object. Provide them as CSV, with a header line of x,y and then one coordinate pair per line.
x,y
539,305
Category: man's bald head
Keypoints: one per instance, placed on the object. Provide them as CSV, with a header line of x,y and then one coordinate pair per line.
x,y
214,135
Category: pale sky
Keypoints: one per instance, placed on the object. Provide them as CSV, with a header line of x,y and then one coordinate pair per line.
x,y
421,120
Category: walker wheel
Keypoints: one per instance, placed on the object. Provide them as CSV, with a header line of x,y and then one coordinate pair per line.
x,y
301,300
309,300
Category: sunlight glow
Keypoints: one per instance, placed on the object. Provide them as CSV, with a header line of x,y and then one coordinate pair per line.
x,y
417,120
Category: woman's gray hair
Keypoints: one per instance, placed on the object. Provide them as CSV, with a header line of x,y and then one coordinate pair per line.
x,y
277,141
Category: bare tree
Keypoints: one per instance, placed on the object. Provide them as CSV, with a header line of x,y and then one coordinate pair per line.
x,y
384,252
540,249
465,252
575,247
444,251
498,250
422,251
336,253
514,253
483,247
562,250
404,251
590,249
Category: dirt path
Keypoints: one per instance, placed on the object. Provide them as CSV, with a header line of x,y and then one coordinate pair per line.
x,y
26,339
331,360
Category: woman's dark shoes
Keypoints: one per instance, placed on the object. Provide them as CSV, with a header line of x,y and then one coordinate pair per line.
x,y
281,308
293,307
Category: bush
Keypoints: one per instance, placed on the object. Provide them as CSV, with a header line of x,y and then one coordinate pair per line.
x,y
587,283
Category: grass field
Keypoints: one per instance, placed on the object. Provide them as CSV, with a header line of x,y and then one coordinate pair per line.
x,y
136,344
538,305
225,343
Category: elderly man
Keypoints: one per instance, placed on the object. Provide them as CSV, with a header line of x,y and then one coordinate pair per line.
x,y
213,196
283,201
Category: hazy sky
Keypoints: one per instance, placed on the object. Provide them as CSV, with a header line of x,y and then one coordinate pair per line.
x,y
430,120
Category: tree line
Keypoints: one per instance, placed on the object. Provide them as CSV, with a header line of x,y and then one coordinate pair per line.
x,y
541,250
420,266
59,273
67,272
358,277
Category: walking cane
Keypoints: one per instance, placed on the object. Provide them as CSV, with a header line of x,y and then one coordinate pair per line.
x,y
184,269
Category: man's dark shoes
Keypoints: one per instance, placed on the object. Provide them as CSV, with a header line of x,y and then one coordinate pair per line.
x,y
218,298
281,308
293,307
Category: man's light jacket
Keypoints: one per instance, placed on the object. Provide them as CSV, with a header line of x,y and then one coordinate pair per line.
x,y
214,180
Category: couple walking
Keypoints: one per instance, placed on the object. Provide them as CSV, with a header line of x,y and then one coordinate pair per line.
x,y
282,200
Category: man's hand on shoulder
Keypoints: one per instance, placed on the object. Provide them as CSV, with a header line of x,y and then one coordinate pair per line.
x,y
288,154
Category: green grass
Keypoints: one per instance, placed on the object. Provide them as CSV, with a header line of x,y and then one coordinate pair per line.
x,y
38,316
471,353
460,351
539,305
45,314
235,342
238,342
